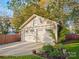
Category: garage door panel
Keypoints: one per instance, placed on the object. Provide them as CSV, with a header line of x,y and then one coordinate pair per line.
x,y
30,38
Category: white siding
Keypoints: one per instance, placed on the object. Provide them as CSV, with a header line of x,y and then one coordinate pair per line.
x,y
35,30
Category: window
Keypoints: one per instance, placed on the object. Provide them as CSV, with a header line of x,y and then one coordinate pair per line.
x,y
41,20
31,30
48,29
26,30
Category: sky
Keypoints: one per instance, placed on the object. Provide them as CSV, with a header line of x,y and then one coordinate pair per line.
x,y
4,9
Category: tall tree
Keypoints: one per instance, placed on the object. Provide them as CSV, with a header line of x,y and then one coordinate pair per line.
x,y
54,9
4,25
26,12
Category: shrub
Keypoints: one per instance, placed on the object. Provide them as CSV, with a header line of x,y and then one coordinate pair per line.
x,y
52,51
55,53
63,33
47,48
77,31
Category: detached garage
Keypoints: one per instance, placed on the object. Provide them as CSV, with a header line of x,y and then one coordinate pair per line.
x,y
36,29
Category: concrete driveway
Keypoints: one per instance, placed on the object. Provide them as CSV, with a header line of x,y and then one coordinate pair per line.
x,y
20,48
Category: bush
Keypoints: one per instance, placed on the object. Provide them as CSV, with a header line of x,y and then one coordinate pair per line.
x,y
47,48
77,31
55,53
63,33
51,50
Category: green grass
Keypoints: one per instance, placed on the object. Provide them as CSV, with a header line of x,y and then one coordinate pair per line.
x,y
73,41
21,57
73,50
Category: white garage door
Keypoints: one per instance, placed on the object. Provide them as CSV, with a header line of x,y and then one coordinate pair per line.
x,y
30,38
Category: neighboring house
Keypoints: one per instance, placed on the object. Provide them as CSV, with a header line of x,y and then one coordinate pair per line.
x,y
36,29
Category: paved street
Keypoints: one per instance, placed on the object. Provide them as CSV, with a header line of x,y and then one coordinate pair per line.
x,y
24,48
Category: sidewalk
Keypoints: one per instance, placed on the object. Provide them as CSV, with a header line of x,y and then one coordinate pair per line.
x,y
10,44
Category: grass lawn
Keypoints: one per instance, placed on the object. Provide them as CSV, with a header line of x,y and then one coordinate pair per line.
x,y
73,49
22,57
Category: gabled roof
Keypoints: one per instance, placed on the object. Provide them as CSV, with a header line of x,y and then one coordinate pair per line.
x,y
31,18
25,23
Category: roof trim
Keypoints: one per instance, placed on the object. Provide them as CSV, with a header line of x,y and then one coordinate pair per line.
x,y
26,22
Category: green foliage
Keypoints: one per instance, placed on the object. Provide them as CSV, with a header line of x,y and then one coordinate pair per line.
x,y
47,48
55,8
73,48
27,12
16,4
63,32
52,34
53,11
56,52
77,31
4,25
52,51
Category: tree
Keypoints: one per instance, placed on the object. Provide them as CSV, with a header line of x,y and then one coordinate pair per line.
x,y
4,25
26,12
74,14
54,10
